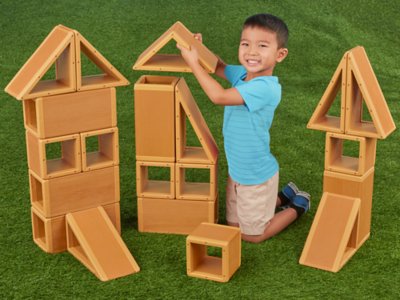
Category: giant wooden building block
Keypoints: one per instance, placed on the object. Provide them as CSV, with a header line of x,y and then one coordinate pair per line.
x,y
50,233
151,60
362,84
206,190
60,195
186,107
67,162
202,265
58,47
155,118
71,113
332,238
94,241
336,161
106,153
174,216
155,188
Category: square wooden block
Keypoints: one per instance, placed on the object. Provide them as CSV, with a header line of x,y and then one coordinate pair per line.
x,y
203,190
102,150
336,161
202,265
64,161
152,185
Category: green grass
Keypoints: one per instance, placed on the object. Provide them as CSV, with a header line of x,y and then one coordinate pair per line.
x,y
320,32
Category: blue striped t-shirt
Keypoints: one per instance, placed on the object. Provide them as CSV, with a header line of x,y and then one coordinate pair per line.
x,y
246,127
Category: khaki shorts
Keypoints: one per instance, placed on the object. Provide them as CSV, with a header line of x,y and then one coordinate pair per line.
x,y
251,206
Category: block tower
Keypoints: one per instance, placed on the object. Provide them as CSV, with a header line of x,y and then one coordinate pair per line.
x,y
75,195
163,104
343,219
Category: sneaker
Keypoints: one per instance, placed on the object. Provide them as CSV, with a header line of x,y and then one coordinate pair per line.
x,y
287,193
301,202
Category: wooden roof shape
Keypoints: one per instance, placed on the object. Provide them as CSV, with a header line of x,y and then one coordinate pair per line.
x,y
151,61
187,106
357,81
62,47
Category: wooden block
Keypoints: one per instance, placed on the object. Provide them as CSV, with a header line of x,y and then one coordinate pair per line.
x,y
320,119
151,60
174,216
58,196
50,233
154,188
331,241
69,159
337,162
363,84
93,240
107,152
360,187
59,48
200,264
110,77
186,107
71,113
196,190
155,118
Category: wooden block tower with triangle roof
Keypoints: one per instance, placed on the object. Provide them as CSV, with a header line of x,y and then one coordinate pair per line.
x,y
75,193
343,219
163,104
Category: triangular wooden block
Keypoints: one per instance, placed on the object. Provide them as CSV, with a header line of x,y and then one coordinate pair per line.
x,y
94,241
320,120
111,76
186,106
332,241
59,48
362,84
150,60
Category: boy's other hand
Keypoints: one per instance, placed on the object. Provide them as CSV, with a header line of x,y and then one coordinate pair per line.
x,y
189,55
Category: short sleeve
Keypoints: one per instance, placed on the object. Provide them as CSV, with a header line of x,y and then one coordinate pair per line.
x,y
234,73
259,93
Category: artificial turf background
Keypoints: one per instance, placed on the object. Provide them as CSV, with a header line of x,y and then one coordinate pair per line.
x,y
320,32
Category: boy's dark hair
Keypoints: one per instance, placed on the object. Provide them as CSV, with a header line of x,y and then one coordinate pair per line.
x,y
270,23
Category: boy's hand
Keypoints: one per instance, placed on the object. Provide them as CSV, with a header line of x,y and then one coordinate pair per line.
x,y
189,55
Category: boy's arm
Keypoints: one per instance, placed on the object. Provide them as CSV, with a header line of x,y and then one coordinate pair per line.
x,y
216,93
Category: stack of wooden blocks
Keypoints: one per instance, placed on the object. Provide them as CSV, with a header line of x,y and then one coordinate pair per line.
x,y
79,187
162,106
343,220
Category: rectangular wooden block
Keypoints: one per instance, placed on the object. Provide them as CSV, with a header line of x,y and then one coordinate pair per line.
x,y
356,187
71,113
155,118
68,162
107,152
174,216
336,161
58,196
50,233
200,264
148,187
196,190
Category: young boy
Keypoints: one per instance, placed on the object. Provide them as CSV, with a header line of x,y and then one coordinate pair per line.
x,y
252,186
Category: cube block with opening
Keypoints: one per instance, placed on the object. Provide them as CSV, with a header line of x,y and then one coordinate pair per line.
x,y
155,179
196,181
53,157
337,161
99,149
202,265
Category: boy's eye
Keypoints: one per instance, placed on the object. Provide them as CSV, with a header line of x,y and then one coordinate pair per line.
x,y
263,46
244,44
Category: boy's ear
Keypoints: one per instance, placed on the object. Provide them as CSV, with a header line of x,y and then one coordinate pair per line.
x,y
282,53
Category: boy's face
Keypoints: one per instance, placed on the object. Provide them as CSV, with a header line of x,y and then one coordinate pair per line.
x,y
259,52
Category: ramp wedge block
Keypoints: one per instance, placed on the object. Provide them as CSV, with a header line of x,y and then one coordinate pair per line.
x,y
94,241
